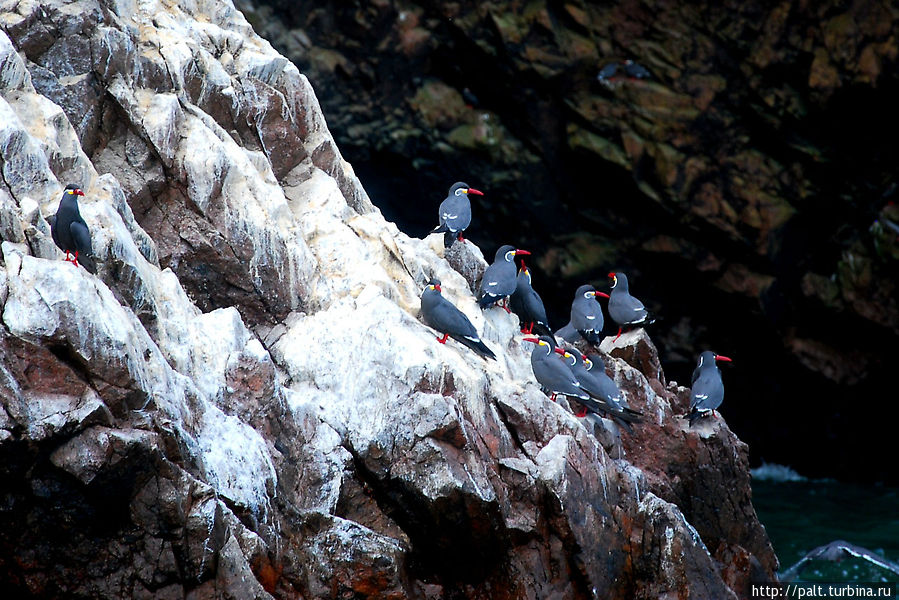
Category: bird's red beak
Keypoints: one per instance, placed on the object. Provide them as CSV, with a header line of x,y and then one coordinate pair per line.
x,y
438,288
475,192
530,339
611,275
724,358
79,193
525,252
559,351
603,294
583,357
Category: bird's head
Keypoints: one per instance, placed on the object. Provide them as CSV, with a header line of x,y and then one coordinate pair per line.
x,y
461,187
567,356
74,190
613,280
543,341
588,291
710,358
509,253
588,364
434,284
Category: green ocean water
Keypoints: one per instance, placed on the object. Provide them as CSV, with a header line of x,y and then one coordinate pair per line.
x,y
801,514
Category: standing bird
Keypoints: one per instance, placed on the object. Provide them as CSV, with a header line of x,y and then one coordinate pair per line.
x,y
707,390
499,279
441,315
455,213
606,398
551,373
586,317
624,309
527,304
70,232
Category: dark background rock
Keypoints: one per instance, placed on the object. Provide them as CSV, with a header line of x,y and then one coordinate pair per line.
x,y
738,187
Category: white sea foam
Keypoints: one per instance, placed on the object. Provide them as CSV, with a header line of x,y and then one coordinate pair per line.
x,y
775,472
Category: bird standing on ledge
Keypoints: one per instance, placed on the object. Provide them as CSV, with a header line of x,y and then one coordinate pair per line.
x,y
624,309
527,304
499,280
586,317
455,213
441,315
70,232
707,391
551,372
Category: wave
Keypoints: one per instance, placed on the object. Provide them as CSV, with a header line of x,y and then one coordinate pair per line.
x,y
775,472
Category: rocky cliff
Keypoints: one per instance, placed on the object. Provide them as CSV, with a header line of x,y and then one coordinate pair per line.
x,y
749,170
243,404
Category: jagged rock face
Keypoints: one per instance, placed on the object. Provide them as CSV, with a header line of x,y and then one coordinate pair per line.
x,y
243,404
750,170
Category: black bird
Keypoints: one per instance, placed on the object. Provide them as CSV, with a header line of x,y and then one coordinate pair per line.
x,y
586,317
441,315
551,373
606,397
707,391
624,309
527,304
70,232
455,213
614,72
499,279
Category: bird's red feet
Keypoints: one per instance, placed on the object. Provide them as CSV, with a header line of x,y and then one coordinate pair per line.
x,y
443,339
617,336
581,413
460,238
553,397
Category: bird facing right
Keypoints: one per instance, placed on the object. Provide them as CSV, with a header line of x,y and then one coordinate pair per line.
x,y
455,213
70,232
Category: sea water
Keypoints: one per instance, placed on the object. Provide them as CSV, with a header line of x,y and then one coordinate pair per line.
x,y
801,514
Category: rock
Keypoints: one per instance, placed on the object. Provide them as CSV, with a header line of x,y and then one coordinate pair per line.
x,y
242,403
733,149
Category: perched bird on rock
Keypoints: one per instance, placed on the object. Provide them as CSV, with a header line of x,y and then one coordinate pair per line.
x,y
551,373
624,309
707,391
527,304
586,317
455,213
499,278
70,232
441,315
606,398
615,72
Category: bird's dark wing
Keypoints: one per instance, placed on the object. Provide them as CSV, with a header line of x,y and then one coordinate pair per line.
x,y
707,392
455,213
568,333
555,376
81,236
446,318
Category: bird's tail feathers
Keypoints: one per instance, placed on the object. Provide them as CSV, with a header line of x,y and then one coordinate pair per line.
x,y
476,345
695,414
87,261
